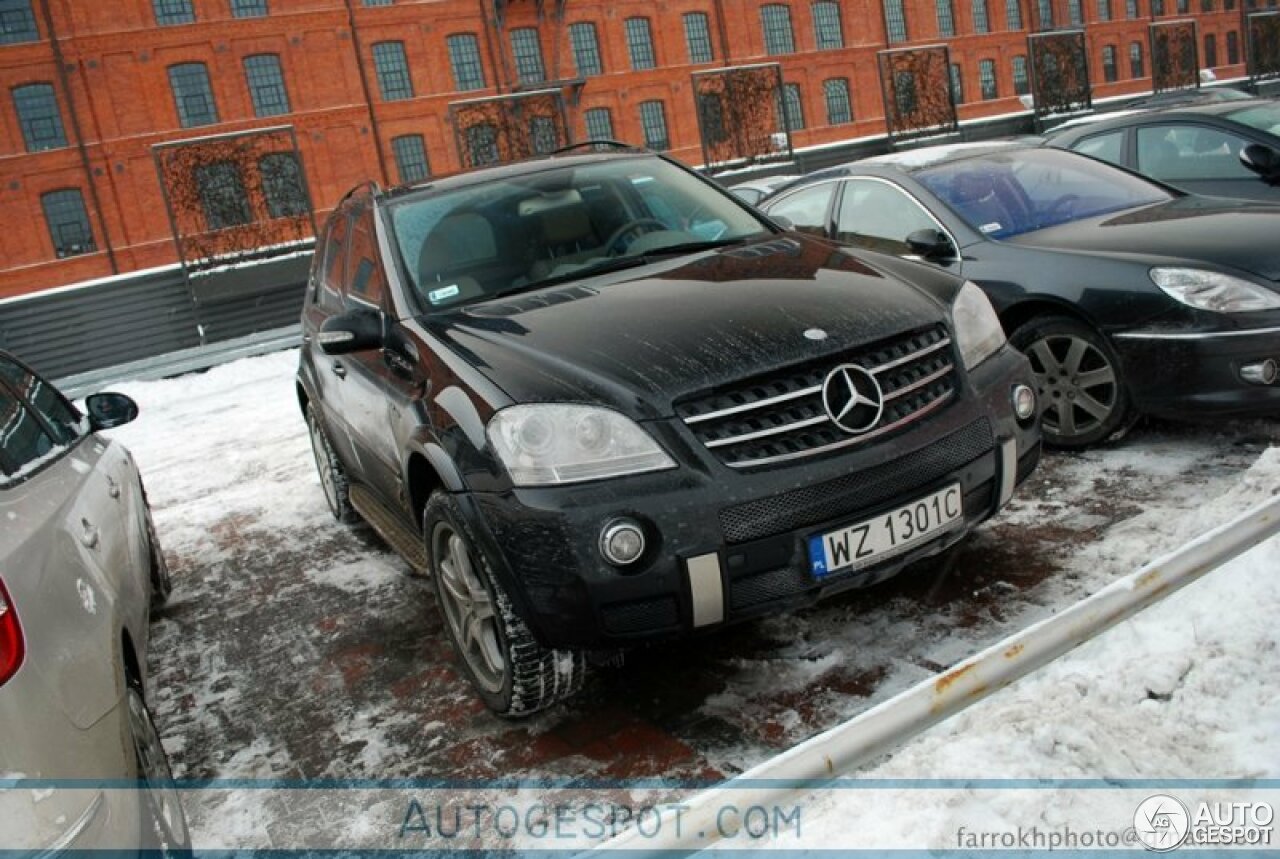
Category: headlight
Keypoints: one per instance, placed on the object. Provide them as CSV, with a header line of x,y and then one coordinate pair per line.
x,y
547,444
1212,290
978,330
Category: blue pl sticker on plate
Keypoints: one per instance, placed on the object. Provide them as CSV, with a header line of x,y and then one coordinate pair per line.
x,y
444,293
817,558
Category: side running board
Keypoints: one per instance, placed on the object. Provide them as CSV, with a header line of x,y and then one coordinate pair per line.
x,y
408,544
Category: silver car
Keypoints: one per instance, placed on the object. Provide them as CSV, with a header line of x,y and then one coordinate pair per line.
x,y
80,570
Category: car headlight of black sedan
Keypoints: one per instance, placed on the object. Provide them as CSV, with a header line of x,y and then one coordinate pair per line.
x,y
1212,290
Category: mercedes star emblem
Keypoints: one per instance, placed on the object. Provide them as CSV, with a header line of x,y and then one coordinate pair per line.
x,y
852,398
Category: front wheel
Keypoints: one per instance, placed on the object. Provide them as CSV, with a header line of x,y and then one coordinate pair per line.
x,y
1082,395
164,825
508,668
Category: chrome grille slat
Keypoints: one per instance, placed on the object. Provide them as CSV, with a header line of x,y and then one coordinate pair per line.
x,y
780,416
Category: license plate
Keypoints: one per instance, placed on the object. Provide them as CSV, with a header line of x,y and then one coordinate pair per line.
x,y
886,535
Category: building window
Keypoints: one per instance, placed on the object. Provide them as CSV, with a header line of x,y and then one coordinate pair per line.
x,y
282,185
640,43
38,114
904,92
1109,73
1136,69
711,118
1157,8
1233,47
192,94
839,104
1131,9
249,8
599,123
173,12
1183,6
775,18
957,84
895,20
482,143
393,71
464,60
222,195
411,158
586,49
981,23
987,79
946,18
68,222
1013,14
527,51
1021,84
17,22
792,109
1075,13
828,35
697,37
1206,5
1045,8
653,122
266,85
376,2
1104,10
1228,5
1210,51
543,138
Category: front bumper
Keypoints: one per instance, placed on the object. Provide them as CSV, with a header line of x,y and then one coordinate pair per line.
x,y
726,545
1197,374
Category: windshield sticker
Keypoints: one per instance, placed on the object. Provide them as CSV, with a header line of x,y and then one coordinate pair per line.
x,y
993,227
444,293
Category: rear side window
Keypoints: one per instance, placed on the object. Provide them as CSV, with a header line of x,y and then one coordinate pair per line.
x,y
807,209
334,264
364,273
57,412
23,440
1104,146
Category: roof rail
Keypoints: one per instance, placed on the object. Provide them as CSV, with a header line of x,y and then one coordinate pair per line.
x,y
372,185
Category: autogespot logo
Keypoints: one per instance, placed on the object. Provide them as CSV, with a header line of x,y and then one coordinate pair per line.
x,y
1161,823
852,398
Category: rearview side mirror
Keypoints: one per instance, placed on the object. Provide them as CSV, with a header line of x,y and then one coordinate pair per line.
x,y
1262,160
353,331
783,221
931,244
108,410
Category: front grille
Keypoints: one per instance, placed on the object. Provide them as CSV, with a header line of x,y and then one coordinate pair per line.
x,y
859,490
649,615
780,416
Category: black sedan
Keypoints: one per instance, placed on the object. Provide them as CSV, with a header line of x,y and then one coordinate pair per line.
x,y
1197,147
1129,297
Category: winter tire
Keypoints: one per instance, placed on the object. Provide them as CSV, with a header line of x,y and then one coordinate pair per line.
x,y
333,479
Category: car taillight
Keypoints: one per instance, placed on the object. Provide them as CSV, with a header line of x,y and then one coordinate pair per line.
x,y
11,646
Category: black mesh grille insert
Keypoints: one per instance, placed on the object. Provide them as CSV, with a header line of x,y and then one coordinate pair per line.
x,y
857,491
780,415
640,615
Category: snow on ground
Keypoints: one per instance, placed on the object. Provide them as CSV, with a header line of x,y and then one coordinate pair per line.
x,y
294,647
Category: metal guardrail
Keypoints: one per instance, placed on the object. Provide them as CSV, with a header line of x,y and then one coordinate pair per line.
x,y
884,727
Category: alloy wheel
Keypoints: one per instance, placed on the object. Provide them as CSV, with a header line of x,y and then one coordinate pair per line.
x,y
1077,384
320,449
469,609
154,773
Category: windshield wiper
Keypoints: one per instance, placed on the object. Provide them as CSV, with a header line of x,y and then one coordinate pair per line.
x,y
693,247
617,264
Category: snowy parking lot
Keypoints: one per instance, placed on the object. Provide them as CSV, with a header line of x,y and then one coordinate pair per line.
x,y
296,648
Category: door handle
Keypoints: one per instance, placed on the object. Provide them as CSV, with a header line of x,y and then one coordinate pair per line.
x,y
88,534
339,370
113,488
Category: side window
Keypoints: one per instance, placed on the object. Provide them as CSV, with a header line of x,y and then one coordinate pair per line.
x,y
334,264
61,417
22,438
364,271
807,209
880,216
1107,147
1182,151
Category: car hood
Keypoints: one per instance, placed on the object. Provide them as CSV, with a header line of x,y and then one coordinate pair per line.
x,y
641,339
1229,233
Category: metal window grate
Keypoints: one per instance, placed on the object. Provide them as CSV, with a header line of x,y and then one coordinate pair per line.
x,y
17,22
839,104
39,117
266,85
542,135
411,158
653,122
170,12
599,123
697,37
827,32
222,195
640,44
775,19
192,94
68,222
464,61
586,49
392,69
282,185
249,8
527,51
482,143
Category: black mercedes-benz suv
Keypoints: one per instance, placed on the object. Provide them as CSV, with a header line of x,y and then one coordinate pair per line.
x,y
600,401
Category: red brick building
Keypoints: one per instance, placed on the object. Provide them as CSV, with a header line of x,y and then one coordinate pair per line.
x,y
89,89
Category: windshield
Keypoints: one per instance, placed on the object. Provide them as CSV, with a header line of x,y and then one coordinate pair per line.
x,y
558,224
1010,193
1264,117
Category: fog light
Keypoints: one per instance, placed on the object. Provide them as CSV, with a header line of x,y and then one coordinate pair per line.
x,y
1024,402
622,542
1261,373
